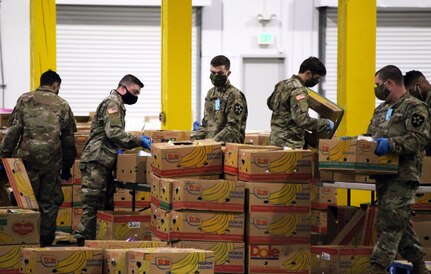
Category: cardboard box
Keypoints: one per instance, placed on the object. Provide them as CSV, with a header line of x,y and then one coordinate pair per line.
x,y
81,139
20,183
118,244
83,122
132,168
278,197
338,217
64,219
123,198
19,226
63,260
67,194
211,226
160,223
426,171
232,152
4,119
278,258
326,109
322,197
355,156
10,258
184,159
422,201
333,259
76,196
278,228
276,166
76,173
319,221
261,139
170,260
228,257
115,225
421,225
213,195
76,217
161,193
163,136
115,261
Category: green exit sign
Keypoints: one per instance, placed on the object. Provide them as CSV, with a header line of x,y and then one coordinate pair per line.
x,y
265,39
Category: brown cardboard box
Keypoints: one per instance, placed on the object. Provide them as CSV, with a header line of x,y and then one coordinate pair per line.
x,y
276,166
76,217
322,197
228,257
232,152
213,195
64,219
332,259
264,258
170,260
10,258
326,109
338,217
116,225
20,183
278,197
160,223
261,139
76,196
63,260
355,156
76,173
422,201
278,228
421,225
184,159
81,139
211,226
319,221
123,198
163,136
4,119
19,226
115,260
161,193
132,168
118,244
67,194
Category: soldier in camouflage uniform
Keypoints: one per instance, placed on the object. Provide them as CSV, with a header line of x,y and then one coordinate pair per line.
x,y
401,125
289,105
42,134
225,114
98,159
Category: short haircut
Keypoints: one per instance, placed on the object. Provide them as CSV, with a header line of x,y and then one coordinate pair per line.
x,y
221,60
314,65
412,77
390,72
130,79
49,77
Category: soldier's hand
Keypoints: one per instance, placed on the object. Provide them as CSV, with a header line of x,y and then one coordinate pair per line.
x,y
146,142
382,146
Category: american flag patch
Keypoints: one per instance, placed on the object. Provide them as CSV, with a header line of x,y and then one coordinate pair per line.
x,y
300,97
113,109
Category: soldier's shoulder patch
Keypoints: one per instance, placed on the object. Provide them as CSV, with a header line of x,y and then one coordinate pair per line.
x,y
300,97
112,109
238,109
417,120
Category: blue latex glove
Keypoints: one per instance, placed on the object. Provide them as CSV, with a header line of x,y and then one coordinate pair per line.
x,y
382,146
196,125
65,174
344,138
146,142
120,151
331,125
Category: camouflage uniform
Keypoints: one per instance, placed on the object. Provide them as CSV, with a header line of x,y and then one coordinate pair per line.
x,y
225,115
42,134
290,119
406,124
98,160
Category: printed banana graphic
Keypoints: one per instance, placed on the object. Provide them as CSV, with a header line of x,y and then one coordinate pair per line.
x,y
29,266
336,154
75,263
219,192
11,260
221,252
67,193
298,261
188,264
286,163
121,230
359,265
103,228
218,224
286,195
196,158
145,267
120,265
23,185
285,226
5,238
143,196
64,217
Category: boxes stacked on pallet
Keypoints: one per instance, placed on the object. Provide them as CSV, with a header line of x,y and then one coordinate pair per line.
x,y
321,198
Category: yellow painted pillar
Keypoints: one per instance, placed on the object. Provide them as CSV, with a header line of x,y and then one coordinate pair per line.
x,y
177,64
356,68
42,39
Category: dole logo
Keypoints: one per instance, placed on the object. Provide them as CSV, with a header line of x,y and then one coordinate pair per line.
x,y
262,162
194,188
194,220
163,262
173,157
324,148
260,222
261,192
23,228
264,251
366,146
49,260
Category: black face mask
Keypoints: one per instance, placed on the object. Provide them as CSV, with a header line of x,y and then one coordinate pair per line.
x,y
129,98
218,80
311,83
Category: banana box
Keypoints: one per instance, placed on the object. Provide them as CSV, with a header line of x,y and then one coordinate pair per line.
x,y
76,173
211,226
319,221
160,223
132,168
278,228
119,225
162,194
232,152
123,198
228,257
10,258
76,195
340,259
213,195
278,197
20,183
170,260
422,201
186,158
19,226
64,219
118,244
355,156
260,139
115,260
163,136
63,260
322,197
276,165
67,195
76,217
268,258
81,139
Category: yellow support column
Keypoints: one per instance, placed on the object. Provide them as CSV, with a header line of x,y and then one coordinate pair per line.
x,y
42,39
177,64
356,68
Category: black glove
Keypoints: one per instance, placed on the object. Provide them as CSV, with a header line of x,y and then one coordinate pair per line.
x,y
65,174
